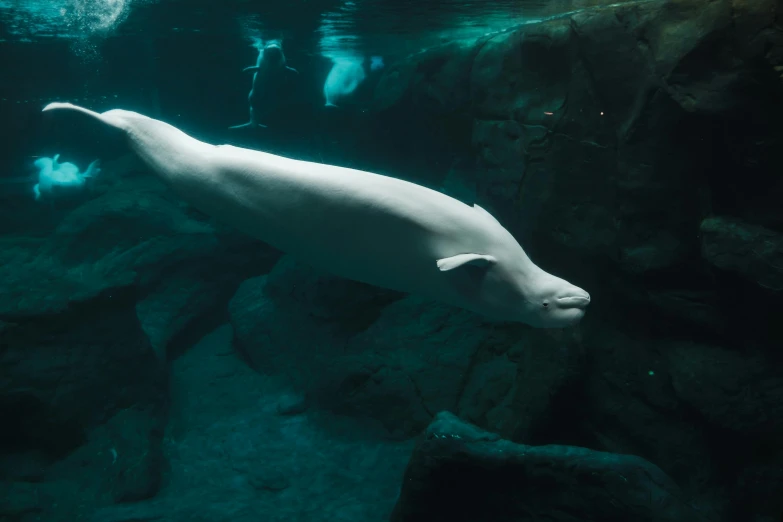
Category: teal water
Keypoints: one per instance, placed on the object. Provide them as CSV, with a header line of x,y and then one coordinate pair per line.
x,y
157,364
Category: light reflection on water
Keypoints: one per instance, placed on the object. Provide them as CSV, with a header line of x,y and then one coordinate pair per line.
x,y
369,26
375,28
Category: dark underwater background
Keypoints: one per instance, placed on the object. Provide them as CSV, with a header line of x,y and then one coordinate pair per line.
x,y
156,365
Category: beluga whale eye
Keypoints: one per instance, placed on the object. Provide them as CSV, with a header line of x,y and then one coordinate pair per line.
x,y
546,304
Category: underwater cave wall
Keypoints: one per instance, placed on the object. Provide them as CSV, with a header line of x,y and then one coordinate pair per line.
x,y
634,150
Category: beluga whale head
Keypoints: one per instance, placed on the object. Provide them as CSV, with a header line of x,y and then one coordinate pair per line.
x,y
553,302
511,288
501,282
273,53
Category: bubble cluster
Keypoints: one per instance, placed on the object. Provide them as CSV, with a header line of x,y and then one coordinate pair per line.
x,y
90,20
96,16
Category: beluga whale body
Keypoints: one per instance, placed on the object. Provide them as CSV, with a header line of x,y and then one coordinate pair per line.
x,y
272,83
344,77
362,226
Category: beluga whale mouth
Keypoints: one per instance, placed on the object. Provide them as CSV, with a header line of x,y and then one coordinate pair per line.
x,y
577,300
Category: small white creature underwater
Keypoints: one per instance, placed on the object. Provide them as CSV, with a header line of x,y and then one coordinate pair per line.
x,y
345,76
343,79
54,176
375,229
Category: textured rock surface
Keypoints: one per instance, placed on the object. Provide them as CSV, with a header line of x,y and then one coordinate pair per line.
x,y
635,150
738,392
459,472
88,316
234,457
604,138
397,359
753,252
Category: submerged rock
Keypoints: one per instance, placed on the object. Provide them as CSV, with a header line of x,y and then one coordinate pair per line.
x,y
232,456
459,472
397,359
89,315
741,393
753,252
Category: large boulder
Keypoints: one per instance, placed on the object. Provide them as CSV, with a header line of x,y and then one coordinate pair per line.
x,y
752,252
459,472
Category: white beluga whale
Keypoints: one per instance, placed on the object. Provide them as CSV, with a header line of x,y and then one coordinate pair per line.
x,y
362,226
55,179
55,176
346,74
272,82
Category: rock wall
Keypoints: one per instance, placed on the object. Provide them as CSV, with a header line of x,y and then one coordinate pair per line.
x,y
90,317
631,149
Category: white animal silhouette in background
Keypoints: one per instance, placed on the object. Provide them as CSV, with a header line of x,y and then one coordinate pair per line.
x,y
343,79
53,175
272,84
345,76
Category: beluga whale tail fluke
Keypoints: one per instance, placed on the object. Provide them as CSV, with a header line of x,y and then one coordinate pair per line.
x,y
367,227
